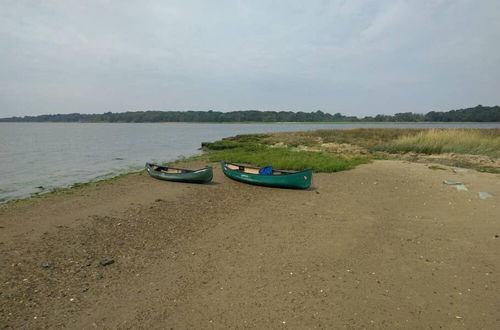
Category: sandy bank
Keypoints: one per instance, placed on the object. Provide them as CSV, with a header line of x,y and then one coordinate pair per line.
x,y
383,246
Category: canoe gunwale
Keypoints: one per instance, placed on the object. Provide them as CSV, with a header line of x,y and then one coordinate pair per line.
x,y
184,170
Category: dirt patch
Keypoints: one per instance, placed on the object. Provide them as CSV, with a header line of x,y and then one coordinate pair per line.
x,y
386,245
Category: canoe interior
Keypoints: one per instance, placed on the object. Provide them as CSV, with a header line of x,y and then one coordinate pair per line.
x,y
172,170
255,170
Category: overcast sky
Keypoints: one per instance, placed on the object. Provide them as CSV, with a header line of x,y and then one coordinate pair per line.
x,y
354,57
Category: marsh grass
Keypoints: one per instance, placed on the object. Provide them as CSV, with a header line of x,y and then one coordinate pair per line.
x,y
256,149
395,140
289,159
298,150
462,141
363,137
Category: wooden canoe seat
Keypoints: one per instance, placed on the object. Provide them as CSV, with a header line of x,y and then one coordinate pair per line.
x,y
170,170
242,168
251,170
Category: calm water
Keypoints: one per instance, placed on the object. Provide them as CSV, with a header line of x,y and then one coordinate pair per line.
x,y
36,157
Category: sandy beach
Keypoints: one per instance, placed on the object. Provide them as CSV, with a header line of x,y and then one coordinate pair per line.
x,y
386,245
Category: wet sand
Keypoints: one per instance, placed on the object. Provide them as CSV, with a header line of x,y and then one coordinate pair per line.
x,y
386,245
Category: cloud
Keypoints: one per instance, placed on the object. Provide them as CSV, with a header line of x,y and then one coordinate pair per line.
x,y
390,18
357,57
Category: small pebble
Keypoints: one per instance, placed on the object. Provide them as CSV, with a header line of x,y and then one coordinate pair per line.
x,y
452,182
48,265
106,262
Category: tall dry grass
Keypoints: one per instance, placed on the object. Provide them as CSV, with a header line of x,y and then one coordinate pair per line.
x,y
463,141
363,137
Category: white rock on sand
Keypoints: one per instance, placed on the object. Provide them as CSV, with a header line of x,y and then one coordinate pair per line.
x,y
485,195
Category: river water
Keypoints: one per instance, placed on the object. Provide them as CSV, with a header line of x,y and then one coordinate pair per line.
x,y
38,157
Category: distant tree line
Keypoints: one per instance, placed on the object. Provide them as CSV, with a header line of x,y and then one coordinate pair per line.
x,y
477,114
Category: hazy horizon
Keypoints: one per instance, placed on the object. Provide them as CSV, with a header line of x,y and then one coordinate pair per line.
x,y
359,58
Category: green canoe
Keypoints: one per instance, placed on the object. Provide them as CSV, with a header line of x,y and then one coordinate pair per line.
x,y
202,175
278,178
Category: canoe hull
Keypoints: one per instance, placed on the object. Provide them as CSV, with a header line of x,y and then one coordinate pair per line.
x,y
297,180
203,175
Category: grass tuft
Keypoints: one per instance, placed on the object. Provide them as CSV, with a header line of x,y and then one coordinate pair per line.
x,y
435,167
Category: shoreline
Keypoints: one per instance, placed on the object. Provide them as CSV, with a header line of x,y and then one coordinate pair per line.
x,y
268,122
64,190
133,169
78,185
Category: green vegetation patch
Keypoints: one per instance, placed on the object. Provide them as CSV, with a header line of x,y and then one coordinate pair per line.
x,y
221,145
286,158
242,138
256,149
247,141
